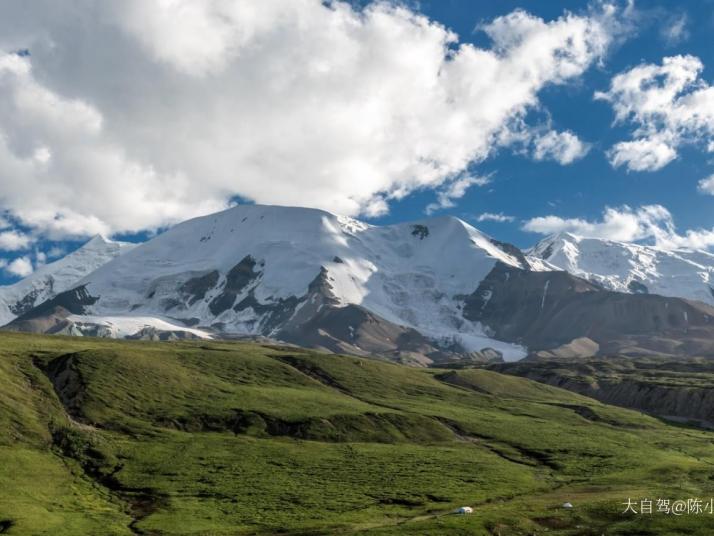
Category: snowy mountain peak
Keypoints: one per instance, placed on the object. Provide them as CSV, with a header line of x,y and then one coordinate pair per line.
x,y
633,268
50,279
98,241
267,270
418,291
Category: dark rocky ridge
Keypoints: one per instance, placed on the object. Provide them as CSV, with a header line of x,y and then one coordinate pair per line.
x,y
545,310
51,316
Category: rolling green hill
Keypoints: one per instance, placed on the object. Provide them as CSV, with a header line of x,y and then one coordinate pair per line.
x,y
101,437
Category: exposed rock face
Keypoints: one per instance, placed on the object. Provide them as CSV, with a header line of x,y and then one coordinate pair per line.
x,y
354,330
682,390
68,383
513,251
237,279
637,288
421,231
546,310
321,322
51,316
195,289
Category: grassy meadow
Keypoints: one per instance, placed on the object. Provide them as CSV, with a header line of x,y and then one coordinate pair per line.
x,y
102,437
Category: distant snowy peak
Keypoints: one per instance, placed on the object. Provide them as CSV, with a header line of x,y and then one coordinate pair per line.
x,y
51,279
633,268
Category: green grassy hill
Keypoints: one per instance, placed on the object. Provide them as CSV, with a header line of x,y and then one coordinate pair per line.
x,y
102,437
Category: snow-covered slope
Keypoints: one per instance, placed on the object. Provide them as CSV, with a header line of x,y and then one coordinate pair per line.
x,y
627,267
51,279
263,270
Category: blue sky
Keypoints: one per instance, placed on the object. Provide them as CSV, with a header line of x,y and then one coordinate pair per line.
x,y
525,189
125,152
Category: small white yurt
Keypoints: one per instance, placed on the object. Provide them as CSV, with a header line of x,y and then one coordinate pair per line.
x,y
465,510
567,505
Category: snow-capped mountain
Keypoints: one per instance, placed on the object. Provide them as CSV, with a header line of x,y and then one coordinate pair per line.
x,y
51,279
633,268
431,290
274,271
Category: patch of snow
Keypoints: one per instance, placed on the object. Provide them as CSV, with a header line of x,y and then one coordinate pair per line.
x,y
545,293
487,295
125,326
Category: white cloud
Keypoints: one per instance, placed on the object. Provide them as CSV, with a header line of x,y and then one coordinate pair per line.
x,y
455,189
706,186
669,105
645,154
21,267
497,217
652,223
134,115
563,147
675,29
14,241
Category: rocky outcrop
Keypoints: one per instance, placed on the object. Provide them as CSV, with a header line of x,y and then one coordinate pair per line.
x,y
322,322
237,279
51,316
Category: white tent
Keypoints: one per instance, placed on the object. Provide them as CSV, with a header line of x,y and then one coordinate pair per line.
x,y
465,510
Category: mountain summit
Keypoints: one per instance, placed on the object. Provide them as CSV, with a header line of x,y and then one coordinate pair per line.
x,y
632,268
300,275
432,290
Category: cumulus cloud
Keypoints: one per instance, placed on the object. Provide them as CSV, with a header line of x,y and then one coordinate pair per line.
x,y
706,186
134,115
20,267
497,217
646,154
669,105
563,147
650,223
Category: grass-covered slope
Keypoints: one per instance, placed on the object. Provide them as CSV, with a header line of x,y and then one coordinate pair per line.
x,y
676,389
107,437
